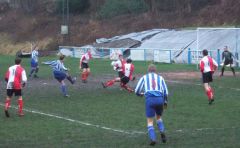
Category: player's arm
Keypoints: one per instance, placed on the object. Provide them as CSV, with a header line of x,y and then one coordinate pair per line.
x,y
81,60
165,93
64,68
7,76
201,66
24,78
139,87
131,72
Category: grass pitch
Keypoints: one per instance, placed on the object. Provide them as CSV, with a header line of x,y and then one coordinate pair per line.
x,y
97,117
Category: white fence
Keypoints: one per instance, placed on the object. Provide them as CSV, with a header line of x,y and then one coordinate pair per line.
x,y
189,56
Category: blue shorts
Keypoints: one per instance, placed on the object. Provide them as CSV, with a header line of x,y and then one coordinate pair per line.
x,y
59,75
154,105
34,64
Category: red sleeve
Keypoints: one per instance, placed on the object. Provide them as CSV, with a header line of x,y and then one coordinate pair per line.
x,y
123,68
201,66
7,76
131,71
83,58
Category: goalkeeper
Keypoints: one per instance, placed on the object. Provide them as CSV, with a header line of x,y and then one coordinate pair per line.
x,y
155,92
227,57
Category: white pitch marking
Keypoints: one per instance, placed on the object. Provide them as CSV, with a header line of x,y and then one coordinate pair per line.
x,y
81,122
116,130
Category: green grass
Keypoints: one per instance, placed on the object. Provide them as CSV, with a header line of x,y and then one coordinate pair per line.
x,y
189,120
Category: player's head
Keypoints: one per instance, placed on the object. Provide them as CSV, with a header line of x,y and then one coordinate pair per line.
x,y
225,48
205,52
120,56
89,53
18,61
62,57
152,68
129,60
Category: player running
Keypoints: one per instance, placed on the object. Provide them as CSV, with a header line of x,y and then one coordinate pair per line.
x,y
227,58
207,66
156,93
126,75
84,66
60,73
34,62
16,79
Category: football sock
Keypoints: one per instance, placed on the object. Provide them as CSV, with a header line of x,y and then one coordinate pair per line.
x,y
126,87
110,83
87,74
64,90
32,70
70,79
209,94
151,133
7,104
84,75
36,71
212,92
20,105
160,125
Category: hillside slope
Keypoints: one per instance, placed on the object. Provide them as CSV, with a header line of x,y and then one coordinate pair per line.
x,y
18,29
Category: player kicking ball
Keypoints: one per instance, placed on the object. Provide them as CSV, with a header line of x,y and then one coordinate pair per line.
x,y
60,73
124,77
16,79
207,66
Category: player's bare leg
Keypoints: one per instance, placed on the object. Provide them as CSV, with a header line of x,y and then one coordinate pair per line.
x,y
161,128
7,106
151,132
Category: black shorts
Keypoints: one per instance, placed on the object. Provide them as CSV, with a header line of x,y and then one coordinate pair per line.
x,y
226,62
17,92
84,65
120,74
207,77
125,80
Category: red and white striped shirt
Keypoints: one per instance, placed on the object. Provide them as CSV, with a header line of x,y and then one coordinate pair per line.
x,y
128,69
15,76
85,58
207,64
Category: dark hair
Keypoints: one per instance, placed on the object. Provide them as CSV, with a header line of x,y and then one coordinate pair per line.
x,y
61,57
205,52
129,60
18,61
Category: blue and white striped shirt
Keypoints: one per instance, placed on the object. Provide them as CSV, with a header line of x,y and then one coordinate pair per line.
x,y
153,84
34,55
56,65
